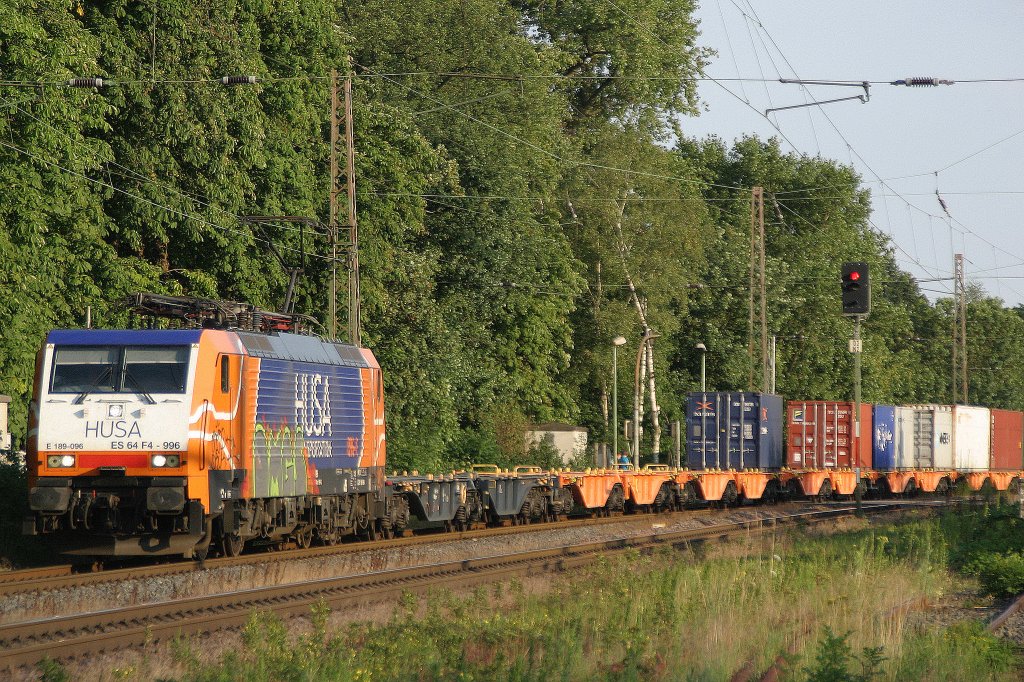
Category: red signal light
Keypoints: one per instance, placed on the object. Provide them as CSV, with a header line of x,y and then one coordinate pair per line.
x,y
854,276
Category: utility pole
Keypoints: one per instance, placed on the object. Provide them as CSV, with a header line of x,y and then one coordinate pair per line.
x,y
757,322
345,105
354,300
332,225
959,331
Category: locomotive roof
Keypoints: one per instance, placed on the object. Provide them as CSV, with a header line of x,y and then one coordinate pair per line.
x,y
302,349
278,346
134,337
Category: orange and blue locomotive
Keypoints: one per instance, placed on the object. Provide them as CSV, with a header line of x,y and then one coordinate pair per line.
x,y
165,441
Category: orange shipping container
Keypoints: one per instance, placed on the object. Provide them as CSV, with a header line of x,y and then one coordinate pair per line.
x,y
1007,440
820,435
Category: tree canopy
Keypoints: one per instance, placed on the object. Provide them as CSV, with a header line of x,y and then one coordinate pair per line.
x,y
525,194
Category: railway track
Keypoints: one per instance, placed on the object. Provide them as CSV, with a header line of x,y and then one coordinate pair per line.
x,y
997,623
86,634
64,577
58,577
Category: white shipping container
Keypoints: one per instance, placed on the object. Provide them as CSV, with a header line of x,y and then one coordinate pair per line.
x,y
924,437
903,450
972,437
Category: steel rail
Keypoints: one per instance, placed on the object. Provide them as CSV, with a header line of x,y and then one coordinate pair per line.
x,y
27,643
61,577
999,621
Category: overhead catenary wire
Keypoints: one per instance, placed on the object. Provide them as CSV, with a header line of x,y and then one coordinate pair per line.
x,y
912,81
270,78
774,125
128,173
169,209
549,153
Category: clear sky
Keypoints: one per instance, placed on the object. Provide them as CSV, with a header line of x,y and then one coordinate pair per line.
x,y
901,131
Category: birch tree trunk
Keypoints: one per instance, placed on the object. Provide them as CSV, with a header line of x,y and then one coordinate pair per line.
x,y
648,362
655,412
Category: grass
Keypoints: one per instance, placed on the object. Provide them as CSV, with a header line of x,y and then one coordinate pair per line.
x,y
832,606
673,615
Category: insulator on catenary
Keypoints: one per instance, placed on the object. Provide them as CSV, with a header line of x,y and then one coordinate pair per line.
x,y
85,82
922,81
238,80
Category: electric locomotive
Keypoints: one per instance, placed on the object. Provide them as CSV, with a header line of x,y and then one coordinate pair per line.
x,y
235,428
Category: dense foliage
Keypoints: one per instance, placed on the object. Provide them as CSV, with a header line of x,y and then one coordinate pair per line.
x,y
521,165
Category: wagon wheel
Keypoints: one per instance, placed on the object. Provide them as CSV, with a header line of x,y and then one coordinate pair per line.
x,y
793,489
329,538
730,498
825,492
911,488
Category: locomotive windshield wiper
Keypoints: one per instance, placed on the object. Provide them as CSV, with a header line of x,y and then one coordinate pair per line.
x,y
139,389
95,384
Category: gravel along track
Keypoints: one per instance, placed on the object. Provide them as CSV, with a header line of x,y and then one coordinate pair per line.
x,y
136,587
89,633
1009,622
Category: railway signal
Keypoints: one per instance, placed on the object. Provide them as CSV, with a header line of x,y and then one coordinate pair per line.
x,y
856,289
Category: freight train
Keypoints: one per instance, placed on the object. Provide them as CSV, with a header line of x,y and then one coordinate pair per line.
x,y
237,428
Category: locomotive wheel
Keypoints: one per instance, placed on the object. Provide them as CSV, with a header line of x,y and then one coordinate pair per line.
x,y
304,537
231,545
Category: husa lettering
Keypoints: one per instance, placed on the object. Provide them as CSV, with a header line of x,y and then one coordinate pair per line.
x,y
112,429
313,404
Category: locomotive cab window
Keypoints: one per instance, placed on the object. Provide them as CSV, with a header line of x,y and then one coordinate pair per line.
x,y
155,369
119,369
85,369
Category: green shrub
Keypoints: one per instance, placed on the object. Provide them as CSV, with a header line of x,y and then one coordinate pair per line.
x,y
1000,575
835,657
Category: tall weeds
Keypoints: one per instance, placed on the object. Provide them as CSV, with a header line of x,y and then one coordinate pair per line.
x,y
689,614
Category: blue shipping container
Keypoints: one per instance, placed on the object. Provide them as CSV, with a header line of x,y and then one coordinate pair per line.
x,y
734,430
883,437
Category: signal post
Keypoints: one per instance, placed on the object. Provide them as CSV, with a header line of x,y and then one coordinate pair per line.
x,y
856,285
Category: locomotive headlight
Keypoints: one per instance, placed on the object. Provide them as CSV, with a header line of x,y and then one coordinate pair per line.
x,y
67,461
173,460
116,410
53,461
159,460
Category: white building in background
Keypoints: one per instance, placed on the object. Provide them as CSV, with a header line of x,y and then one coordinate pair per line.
x,y
567,439
5,431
